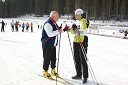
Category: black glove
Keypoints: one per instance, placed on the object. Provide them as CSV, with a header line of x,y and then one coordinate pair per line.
x,y
74,26
59,27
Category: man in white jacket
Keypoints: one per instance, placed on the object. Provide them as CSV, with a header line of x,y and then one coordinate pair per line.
x,y
49,41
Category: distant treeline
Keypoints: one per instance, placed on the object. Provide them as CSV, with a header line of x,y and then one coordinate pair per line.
x,y
96,9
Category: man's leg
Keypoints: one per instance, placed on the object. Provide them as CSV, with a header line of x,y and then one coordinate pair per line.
x,y
47,56
83,60
53,62
77,61
53,58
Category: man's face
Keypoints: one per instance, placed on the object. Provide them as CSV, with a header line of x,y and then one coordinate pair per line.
x,y
56,17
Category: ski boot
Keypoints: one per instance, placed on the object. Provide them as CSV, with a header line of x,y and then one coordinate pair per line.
x,y
77,77
53,73
84,80
47,75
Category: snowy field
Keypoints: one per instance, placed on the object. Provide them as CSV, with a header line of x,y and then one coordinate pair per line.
x,y
21,57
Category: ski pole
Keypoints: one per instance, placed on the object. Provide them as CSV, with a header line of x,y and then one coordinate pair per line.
x,y
86,58
90,67
58,57
70,44
87,61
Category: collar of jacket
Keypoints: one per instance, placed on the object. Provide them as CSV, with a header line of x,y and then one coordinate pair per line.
x,y
52,21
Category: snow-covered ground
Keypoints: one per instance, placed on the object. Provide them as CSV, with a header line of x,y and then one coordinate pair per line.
x,y
21,57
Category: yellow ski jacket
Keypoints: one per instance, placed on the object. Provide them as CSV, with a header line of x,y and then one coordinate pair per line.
x,y
81,32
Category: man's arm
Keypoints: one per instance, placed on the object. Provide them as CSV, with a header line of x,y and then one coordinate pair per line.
x,y
49,30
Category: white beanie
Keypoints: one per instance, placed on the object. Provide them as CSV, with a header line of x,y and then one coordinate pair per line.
x,y
79,12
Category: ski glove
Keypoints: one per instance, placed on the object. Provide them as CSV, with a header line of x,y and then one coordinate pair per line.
x,y
74,26
66,28
59,27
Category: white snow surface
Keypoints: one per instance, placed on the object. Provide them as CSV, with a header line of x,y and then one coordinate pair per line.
x,y
21,57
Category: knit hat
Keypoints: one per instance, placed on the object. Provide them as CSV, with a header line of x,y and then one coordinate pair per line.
x,y
79,12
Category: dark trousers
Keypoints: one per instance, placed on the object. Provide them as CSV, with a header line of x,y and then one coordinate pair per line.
x,y
22,29
49,55
12,28
27,28
16,29
79,59
2,29
31,29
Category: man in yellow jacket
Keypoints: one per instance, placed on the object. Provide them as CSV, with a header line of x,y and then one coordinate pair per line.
x,y
80,42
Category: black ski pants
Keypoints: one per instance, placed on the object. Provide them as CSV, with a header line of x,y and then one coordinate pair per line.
x,y
2,29
49,56
79,59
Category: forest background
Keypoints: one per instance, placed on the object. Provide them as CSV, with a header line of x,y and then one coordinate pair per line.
x,y
95,9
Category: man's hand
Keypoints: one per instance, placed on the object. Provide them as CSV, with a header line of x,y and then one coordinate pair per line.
x,y
60,29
